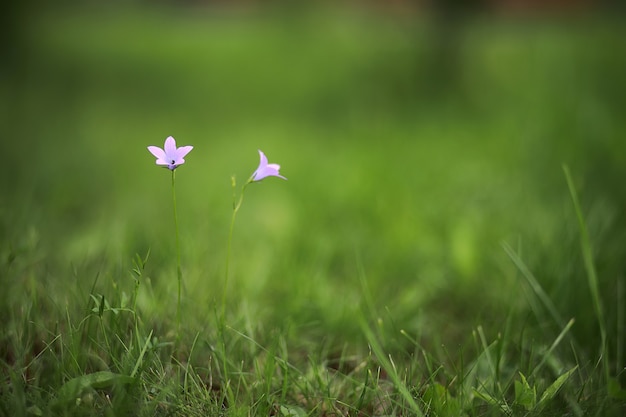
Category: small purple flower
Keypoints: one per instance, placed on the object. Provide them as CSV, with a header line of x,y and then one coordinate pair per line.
x,y
265,169
170,156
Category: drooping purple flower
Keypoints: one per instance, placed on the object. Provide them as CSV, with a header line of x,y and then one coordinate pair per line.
x,y
170,156
265,169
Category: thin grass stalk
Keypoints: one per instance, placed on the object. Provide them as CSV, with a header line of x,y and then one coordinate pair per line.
x,y
592,277
553,346
534,284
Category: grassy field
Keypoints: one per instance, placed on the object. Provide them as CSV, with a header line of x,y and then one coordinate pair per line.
x,y
451,239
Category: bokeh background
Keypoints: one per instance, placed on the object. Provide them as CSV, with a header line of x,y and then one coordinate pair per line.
x,y
416,138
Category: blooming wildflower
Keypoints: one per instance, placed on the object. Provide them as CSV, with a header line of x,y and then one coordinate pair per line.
x,y
170,156
265,169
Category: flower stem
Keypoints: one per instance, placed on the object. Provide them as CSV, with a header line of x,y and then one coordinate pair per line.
x,y
222,319
179,272
236,206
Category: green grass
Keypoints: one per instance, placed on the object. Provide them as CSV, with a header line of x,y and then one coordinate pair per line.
x,y
427,256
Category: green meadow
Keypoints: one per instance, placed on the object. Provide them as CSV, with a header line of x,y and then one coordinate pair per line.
x,y
450,240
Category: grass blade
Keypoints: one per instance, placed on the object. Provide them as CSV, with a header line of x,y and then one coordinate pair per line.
x,y
97,380
141,355
391,370
534,284
592,277
553,346
551,391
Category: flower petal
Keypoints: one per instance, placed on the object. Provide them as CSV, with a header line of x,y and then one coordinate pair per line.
x,y
265,169
259,174
170,147
159,154
182,152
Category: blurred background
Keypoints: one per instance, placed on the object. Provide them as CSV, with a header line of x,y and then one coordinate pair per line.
x,y
416,136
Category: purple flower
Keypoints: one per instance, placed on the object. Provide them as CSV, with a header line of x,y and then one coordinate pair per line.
x,y
170,156
265,169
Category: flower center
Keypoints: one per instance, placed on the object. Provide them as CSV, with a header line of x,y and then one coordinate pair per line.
x,y
173,162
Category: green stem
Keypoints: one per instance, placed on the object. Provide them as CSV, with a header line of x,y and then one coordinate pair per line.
x,y
222,322
179,272
236,206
